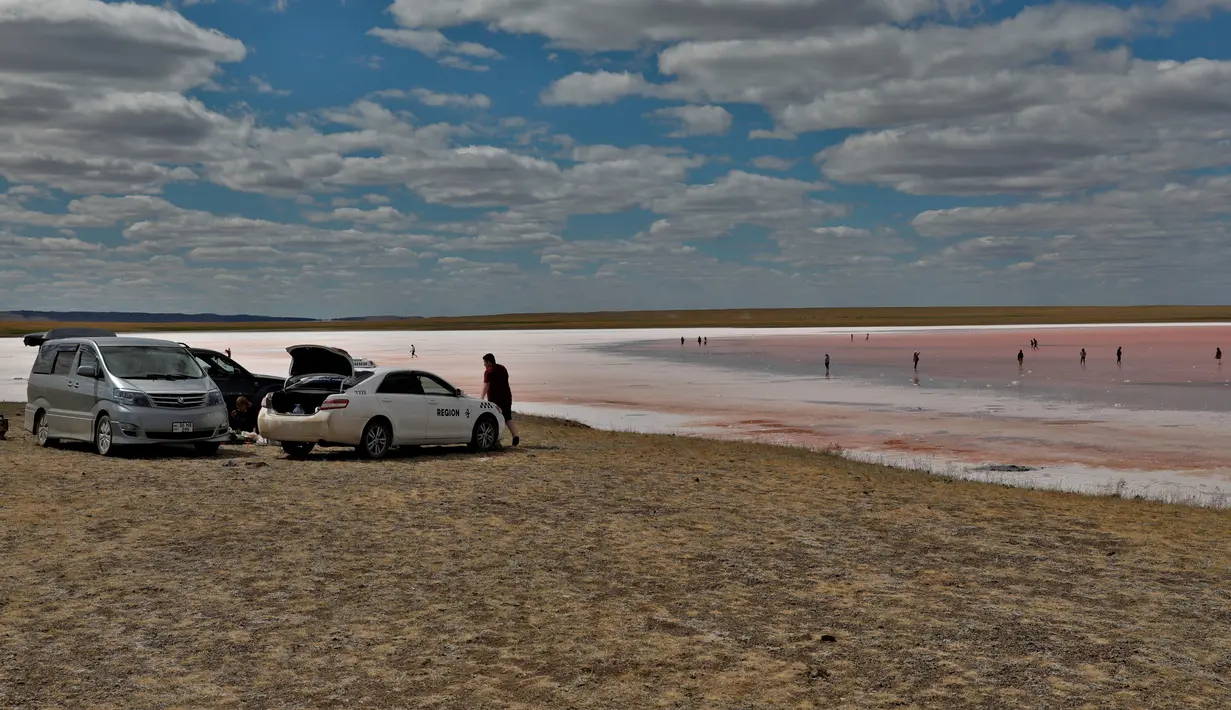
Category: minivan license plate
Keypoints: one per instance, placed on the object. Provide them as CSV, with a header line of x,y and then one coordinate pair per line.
x,y
181,428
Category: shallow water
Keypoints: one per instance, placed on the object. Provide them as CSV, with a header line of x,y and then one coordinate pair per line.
x,y
1158,420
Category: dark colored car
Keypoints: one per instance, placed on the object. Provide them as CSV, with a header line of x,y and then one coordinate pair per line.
x,y
234,380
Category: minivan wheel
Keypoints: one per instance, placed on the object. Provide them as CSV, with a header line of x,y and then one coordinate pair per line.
x,y
102,435
297,449
377,440
43,431
485,435
207,448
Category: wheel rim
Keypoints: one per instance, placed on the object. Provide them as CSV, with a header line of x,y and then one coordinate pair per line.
x,y
487,435
104,435
43,433
378,441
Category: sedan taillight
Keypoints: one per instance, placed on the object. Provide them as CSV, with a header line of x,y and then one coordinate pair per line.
x,y
334,404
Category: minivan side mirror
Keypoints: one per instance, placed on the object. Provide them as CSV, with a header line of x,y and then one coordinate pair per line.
x,y
87,371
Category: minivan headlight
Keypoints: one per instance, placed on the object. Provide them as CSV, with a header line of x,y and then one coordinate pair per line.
x,y
214,397
132,398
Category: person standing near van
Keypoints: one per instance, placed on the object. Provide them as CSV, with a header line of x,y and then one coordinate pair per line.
x,y
497,391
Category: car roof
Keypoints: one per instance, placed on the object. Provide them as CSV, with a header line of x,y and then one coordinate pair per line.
x,y
103,342
385,369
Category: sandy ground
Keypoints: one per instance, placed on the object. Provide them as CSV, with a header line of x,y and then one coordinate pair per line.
x,y
591,569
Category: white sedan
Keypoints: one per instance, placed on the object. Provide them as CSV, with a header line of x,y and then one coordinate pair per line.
x,y
375,411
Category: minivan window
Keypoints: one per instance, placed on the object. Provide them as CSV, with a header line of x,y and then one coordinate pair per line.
x,y
151,362
88,359
65,354
46,356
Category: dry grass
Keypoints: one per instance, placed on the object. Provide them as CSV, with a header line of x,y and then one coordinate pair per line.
x,y
733,318
592,569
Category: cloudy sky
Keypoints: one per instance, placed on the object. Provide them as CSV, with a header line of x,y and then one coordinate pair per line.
x,y
350,157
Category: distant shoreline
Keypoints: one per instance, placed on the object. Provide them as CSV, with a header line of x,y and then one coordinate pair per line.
x,y
854,318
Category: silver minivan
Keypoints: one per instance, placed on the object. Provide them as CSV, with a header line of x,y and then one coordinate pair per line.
x,y
112,391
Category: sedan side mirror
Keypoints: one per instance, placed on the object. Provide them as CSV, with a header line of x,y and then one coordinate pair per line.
x,y
87,371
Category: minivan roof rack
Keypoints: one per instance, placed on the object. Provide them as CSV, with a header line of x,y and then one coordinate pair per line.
x,y
37,339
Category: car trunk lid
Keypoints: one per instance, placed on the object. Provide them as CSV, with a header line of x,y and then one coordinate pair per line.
x,y
320,360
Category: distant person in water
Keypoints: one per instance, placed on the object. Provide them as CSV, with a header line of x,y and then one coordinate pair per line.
x,y
698,340
827,364
706,340
852,337
1021,357
867,335
1083,356
916,359
228,352
1119,352
412,351
1218,355
681,340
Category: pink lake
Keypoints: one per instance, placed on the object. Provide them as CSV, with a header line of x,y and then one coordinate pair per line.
x,y
1155,425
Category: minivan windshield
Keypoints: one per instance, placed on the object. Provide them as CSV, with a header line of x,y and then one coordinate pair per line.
x,y
150,362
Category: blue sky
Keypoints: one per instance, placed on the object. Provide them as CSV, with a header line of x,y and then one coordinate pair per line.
x,y
337,158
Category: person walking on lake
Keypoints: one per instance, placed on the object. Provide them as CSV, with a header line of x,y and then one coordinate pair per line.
x,y
1119,352
1218,355
497,391
412,351
827,364
1083,357
916,359
1021,358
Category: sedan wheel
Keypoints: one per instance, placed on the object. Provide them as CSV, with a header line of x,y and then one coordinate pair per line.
x,y
377,440
102,436
296,449
484,436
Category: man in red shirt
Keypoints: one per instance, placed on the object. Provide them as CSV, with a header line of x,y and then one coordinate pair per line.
x,y
496,390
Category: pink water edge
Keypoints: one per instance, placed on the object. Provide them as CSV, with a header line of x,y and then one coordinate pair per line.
x,y
1158,421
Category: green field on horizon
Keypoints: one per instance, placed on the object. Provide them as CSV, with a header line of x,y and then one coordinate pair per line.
x,y
729,318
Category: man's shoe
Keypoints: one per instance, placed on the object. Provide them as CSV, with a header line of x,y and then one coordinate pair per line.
x,y
516,440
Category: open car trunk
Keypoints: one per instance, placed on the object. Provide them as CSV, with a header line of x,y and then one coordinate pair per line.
x,y
310,391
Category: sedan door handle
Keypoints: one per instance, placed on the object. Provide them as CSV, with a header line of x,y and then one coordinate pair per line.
x,y
386,399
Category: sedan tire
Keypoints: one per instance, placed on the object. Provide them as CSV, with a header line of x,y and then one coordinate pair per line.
x,y
207,448
297,450
377,440
486,434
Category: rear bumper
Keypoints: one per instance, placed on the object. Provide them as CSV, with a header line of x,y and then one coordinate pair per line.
x,y
305,428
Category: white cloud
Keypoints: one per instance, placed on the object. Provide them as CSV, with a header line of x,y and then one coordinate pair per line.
x,y
264,87
428,97
697,120
603,87
598,25
773,162
433,43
